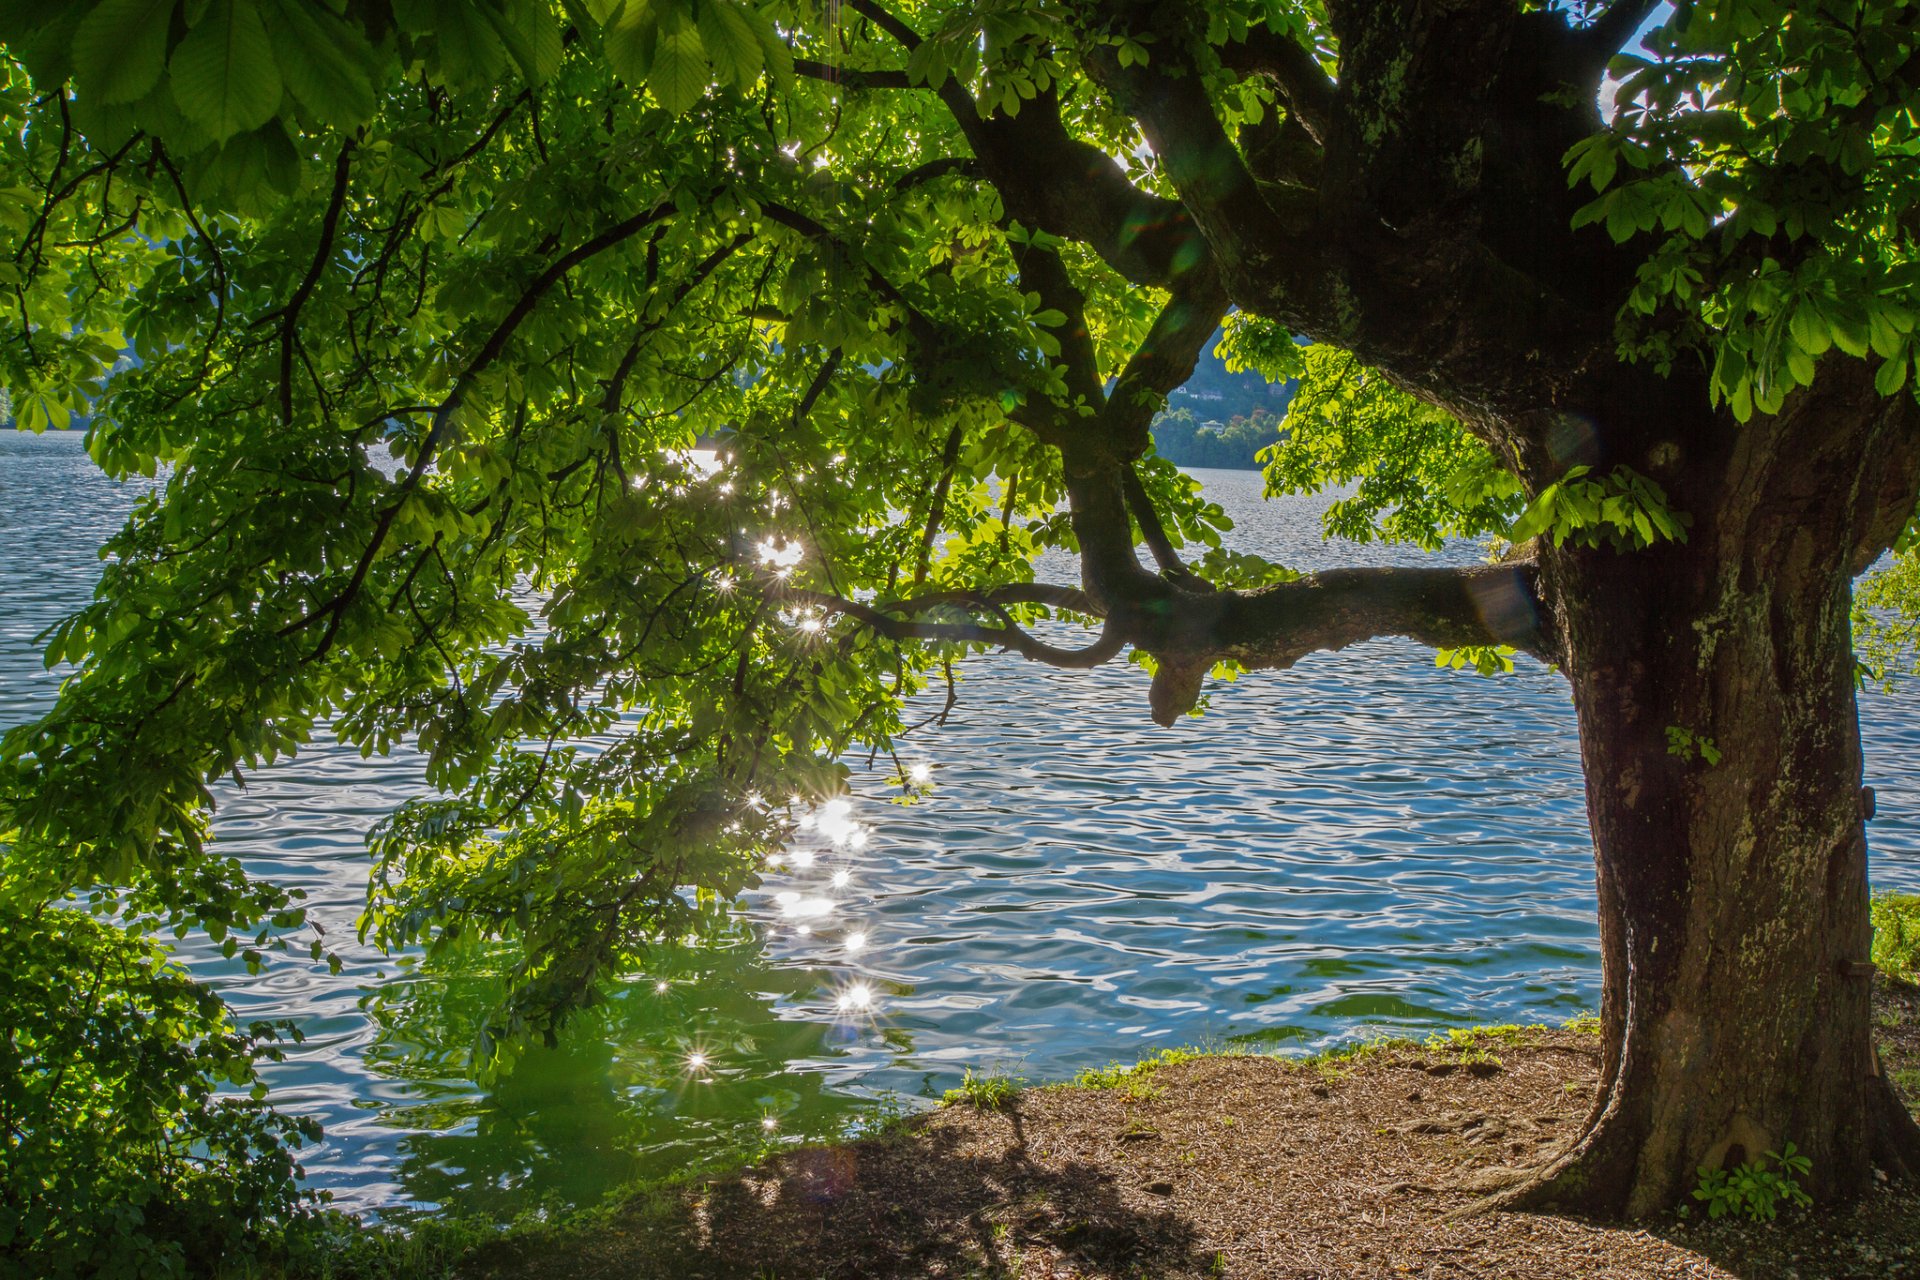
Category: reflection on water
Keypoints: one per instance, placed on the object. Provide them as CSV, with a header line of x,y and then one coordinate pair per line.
x,y
693,1059
1359,842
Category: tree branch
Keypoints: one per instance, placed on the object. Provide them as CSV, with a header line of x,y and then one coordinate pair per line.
x,y
879,79
1154,533
1275,627
1608,34
1308,90
335,610
1265,244
936,169
289,315
1007,636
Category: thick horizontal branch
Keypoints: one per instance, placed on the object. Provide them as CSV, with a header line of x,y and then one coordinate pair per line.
x,y
850,79
1448,608
1488,604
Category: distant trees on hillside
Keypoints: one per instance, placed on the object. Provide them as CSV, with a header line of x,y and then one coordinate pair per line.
x,y
1185,441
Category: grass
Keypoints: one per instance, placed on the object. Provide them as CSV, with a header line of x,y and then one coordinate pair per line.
x,y
1896,935
1136,1081
990,1092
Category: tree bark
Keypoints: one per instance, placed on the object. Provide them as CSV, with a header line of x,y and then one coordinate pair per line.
x,y
1733,894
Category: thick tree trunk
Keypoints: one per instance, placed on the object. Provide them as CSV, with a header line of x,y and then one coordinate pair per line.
x,y
1733,894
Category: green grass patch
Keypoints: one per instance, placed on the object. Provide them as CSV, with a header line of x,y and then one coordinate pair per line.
x,y
1896,935
1135,1080
991,1092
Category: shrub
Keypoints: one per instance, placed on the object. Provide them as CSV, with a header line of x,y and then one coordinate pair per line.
x,y
1896,935
133,1138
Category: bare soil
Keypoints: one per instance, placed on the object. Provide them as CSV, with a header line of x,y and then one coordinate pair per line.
x,y
1239,1166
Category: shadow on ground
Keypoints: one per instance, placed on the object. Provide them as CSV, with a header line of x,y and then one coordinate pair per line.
x,y
929,1205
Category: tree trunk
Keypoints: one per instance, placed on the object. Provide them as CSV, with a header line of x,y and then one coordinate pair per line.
x,y
1733,893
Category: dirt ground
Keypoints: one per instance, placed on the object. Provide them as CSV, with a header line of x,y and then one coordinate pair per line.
x,y
1224,1166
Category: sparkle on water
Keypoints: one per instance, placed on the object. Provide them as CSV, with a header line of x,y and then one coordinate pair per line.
x,y
1362,842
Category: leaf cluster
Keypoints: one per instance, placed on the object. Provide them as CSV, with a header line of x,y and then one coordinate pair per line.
x,y
1753,1190
1769,153
1417,476
133,1136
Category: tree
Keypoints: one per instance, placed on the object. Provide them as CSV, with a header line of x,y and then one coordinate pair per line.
x,y
429,301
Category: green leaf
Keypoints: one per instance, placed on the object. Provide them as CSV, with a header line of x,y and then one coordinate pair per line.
x,y
224,73
1850,335
325,63
471,54
630,36
1809,330
679,75
530,37
1891,376
730,42
120,48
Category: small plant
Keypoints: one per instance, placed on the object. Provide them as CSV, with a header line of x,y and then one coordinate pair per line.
x,y
1896,935
987,1093
1688,745
1753,1189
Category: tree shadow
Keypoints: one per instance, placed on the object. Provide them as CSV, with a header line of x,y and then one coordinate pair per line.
x,y
928,1200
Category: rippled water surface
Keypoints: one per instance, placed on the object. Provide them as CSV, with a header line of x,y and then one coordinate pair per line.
x,y
1360,842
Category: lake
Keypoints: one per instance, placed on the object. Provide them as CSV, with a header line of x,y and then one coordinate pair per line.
x,y
1362,843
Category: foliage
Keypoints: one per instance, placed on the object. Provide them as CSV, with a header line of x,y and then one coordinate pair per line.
x,y
333,1246
1723,118
1421,477
1753,1189
1622,509
1886,615
135,1139
1896,935
1135,1079
1485,659
990,1092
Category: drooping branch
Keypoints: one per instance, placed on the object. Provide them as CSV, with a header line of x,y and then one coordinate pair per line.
x,y
1154,533
289,315
1007,635
1042,593
335,609
1163,361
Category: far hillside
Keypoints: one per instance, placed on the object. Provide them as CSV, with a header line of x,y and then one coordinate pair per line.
x,y
1219,418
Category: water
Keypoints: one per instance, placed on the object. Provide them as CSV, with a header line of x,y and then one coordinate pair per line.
x,y
1361,842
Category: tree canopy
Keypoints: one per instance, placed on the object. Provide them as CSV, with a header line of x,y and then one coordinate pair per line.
x,y
423,308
